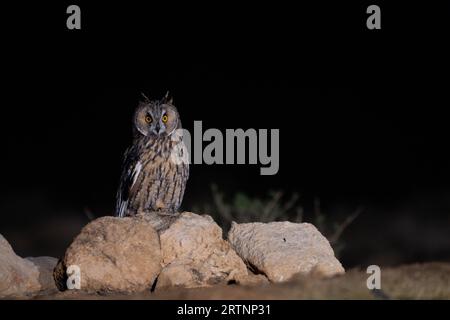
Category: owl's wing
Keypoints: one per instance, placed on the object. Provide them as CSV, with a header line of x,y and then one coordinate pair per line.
x,y
130,171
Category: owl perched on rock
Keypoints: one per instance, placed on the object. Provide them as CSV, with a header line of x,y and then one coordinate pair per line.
x,y
151,181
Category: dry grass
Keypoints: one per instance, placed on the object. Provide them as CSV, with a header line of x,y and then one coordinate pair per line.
x,y
276,206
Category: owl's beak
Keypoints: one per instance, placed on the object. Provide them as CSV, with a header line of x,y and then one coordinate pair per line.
x,y
158,129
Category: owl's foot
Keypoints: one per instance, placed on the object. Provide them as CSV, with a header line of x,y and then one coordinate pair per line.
x,y
167,213
161,220
160,212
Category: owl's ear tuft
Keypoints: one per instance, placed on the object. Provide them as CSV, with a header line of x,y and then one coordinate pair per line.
x,y
146,99
167,98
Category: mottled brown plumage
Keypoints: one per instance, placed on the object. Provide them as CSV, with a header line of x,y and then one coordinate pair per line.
x,y
151,181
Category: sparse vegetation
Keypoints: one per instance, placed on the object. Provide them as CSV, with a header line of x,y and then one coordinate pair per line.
x,y
277,206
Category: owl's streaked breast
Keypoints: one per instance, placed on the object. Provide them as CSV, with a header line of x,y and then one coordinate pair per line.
x,y
156,183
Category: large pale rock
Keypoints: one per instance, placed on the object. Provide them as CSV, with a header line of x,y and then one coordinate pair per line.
x,y
194,254
23,277
282,249
114,255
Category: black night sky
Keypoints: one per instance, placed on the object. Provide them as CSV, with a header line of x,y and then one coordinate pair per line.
x,y
362,114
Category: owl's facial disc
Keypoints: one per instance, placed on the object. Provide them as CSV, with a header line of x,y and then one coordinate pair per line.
x,y
158,128
169,118
156,119
144,120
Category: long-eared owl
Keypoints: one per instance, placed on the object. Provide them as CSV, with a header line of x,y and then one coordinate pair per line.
x,y
151,181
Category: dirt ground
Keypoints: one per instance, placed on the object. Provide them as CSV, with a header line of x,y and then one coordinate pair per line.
x,y
415,281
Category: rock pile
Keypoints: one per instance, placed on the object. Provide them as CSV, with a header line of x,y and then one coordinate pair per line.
x,y
128,255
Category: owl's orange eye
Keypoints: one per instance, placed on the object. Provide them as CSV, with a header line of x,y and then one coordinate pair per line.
x,y
148,119
165,118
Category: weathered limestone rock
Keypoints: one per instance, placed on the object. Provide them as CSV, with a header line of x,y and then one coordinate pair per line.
x,y
45,266
194,254
282,249
113,254
23,277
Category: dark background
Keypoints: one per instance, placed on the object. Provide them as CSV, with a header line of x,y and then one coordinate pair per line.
x,y
362,114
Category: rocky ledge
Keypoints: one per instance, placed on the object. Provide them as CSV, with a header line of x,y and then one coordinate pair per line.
x,y
127,255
